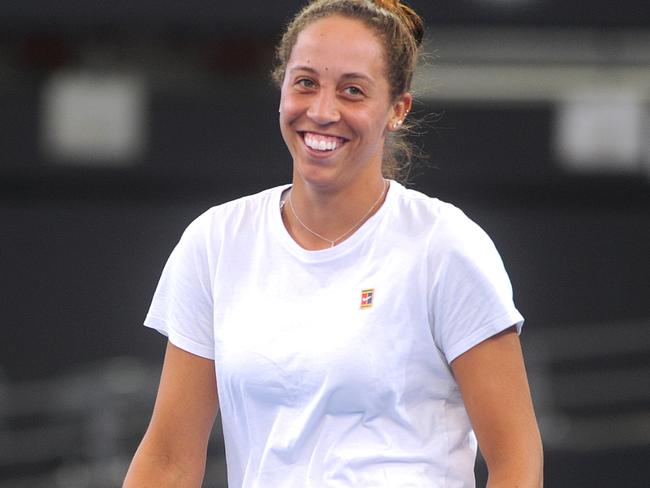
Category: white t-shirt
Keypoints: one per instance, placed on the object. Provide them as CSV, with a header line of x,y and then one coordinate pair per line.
x,y
333,366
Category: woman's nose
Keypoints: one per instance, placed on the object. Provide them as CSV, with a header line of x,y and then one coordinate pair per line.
x,y
323,109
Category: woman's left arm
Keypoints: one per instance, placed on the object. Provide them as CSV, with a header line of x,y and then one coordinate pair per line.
x,y
493,383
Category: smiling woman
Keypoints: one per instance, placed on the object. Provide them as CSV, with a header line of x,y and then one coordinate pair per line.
x,y
335,113
361,334
400,35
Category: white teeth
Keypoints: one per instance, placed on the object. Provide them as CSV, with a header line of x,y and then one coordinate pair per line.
x,y
320,145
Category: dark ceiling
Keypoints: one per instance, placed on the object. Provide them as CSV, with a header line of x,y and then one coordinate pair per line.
x,y
267,15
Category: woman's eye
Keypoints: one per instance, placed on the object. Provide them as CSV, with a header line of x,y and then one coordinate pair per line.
x,y
353,90
305,83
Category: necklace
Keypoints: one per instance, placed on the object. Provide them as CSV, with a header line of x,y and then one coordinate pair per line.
x,y
333,242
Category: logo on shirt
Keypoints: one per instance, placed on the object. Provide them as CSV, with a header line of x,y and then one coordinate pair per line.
x,y
366,298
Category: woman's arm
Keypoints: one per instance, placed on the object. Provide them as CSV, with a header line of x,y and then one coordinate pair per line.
x,y
492,380
173,450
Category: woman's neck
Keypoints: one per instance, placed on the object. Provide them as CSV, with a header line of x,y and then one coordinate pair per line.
x,y
319,218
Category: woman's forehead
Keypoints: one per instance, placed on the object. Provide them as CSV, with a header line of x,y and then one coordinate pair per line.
x,y
339,44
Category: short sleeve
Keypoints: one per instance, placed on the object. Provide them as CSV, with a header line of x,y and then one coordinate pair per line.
x,y
182,305
472,295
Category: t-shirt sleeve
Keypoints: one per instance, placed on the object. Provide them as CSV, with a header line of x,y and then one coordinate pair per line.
x,y
182,305
472,295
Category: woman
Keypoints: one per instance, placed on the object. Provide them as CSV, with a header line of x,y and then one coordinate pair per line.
x,y
359,333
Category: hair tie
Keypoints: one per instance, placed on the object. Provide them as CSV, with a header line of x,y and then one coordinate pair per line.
x,y
406,15
390,5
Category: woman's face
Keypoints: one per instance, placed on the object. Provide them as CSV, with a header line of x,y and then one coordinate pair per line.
x,y
335,105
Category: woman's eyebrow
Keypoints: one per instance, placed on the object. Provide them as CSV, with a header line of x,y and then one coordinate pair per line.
x,y
358,76
309,69
346,76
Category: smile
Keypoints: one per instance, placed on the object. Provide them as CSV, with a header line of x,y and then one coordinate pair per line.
x,y
321,142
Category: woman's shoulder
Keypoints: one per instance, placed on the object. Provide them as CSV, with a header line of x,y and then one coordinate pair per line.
x,y
233,216
416,204
449,227
242,207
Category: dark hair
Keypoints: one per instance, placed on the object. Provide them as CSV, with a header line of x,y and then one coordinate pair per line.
x,y
399,28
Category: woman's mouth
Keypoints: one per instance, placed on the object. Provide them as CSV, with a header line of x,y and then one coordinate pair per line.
x,y
322,143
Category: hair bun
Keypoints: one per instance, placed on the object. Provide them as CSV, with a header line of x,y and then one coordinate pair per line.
x,y
409,17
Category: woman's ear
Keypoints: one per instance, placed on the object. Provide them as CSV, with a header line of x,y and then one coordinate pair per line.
x,y
401,108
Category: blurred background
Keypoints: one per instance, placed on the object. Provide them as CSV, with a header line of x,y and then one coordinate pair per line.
x,y
121,121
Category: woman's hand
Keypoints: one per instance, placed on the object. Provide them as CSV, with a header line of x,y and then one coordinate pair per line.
x,y
494,386
173,451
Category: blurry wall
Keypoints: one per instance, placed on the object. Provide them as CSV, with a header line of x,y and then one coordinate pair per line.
x,y
120,122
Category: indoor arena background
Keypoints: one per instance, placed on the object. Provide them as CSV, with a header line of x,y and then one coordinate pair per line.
x,y
121,121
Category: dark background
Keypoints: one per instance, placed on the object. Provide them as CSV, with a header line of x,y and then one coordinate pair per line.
x,y
82,244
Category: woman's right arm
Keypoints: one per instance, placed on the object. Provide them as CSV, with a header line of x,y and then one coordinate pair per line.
x,y
173,450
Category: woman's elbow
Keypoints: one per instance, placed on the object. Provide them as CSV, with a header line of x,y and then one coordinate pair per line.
x,y
524,468
151,468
